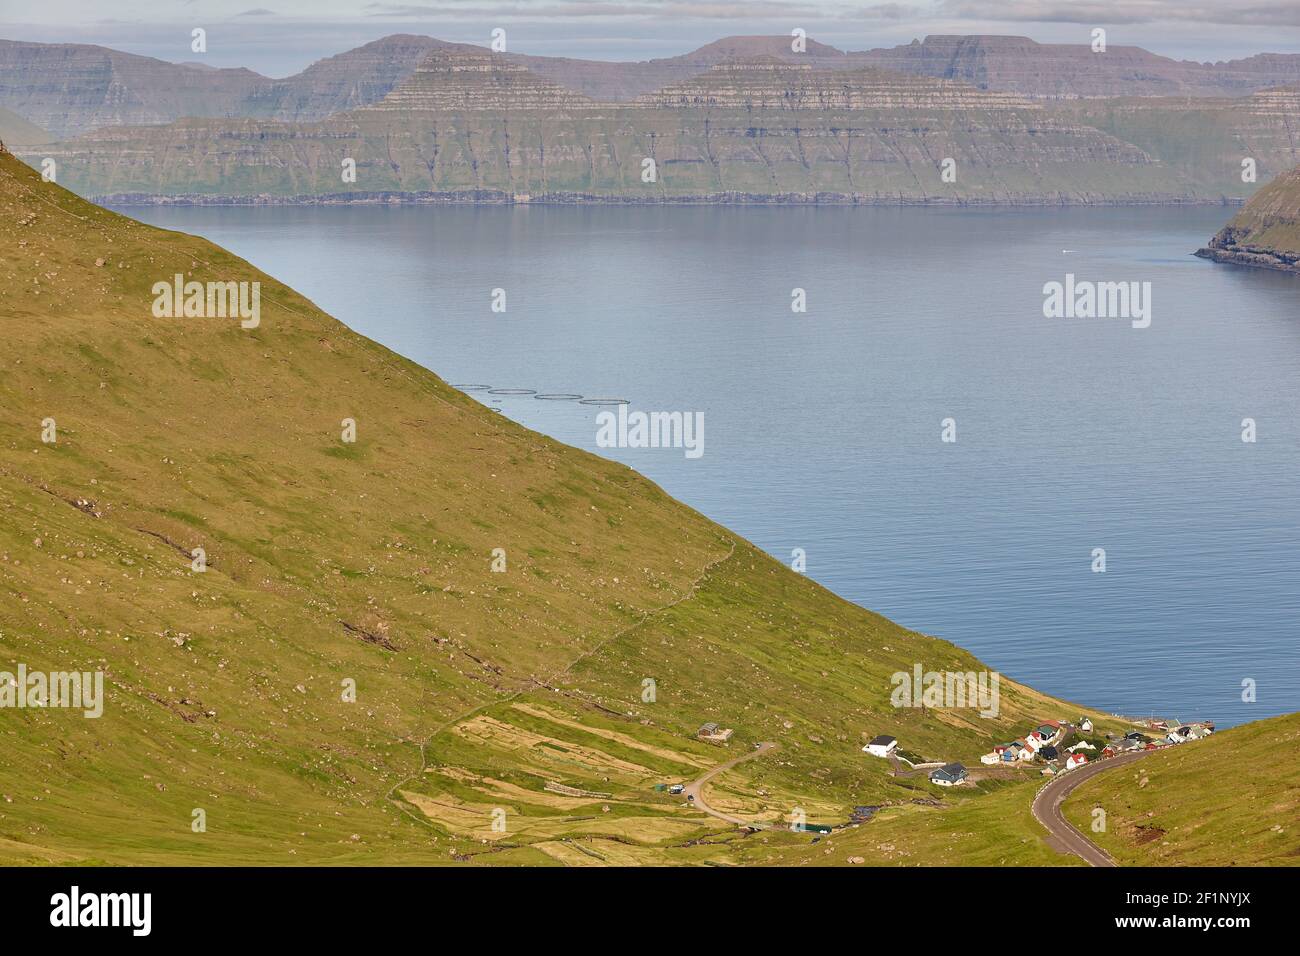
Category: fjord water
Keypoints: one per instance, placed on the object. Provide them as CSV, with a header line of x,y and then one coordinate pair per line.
x,y
822,430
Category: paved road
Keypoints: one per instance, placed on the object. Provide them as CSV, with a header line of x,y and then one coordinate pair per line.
x,y
696,789
1047,809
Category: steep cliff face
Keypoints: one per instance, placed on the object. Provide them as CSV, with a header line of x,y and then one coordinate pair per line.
x,y
472,81
1266,233
477,126
1214,141
1021,65
69,88
768,83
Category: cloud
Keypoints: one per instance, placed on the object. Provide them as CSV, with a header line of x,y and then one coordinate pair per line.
x,y
1097,12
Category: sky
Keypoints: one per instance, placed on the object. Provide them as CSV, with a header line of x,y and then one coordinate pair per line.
x,y
284,36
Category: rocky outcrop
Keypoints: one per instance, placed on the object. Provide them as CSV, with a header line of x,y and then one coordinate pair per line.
x,y
1266,233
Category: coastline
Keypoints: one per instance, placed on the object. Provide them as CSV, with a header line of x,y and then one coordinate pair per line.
x,y
501,198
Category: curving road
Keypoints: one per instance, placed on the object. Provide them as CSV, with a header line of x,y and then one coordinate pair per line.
x,y
1065,835
696,789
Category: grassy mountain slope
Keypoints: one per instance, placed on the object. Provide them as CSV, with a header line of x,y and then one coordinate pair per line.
x,y
370,562
1229,800
1266,233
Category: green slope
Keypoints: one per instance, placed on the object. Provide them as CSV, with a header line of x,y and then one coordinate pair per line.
x,y
371,562
1266,233
1229,800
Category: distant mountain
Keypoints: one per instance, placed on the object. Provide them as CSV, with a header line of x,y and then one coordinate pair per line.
x,y
469,125
73,88
16,131
69,88
1056,70
1267,232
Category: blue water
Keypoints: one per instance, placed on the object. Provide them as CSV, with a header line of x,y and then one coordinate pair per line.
x,y
822,430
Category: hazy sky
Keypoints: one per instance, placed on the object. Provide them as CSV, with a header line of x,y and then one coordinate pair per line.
x,y
286,35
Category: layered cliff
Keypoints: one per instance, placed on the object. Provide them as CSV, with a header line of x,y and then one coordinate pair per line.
x,y
478,126
1266,233
70,89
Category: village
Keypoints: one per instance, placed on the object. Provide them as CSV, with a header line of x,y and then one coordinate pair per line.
x,y
1054,746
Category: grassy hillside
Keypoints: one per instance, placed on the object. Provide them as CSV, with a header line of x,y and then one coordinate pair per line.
x,y
1266,232
1229,800
331,562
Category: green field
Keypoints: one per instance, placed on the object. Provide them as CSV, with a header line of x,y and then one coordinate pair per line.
x,y
1230,800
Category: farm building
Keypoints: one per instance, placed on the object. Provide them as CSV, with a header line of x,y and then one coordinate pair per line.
x,y
714,734
949,775
882,746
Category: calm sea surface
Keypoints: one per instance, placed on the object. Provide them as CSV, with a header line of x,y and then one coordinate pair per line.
x,y
822,430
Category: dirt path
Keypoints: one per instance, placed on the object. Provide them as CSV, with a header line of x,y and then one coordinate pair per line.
x,y
696,789
1065,836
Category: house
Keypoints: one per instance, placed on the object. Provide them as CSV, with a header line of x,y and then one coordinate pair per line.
x,y
881,746
1050,731
1108,752
1178,736
1076,760
991,759
1081,745
1048,752
1026,753
1034,742
1085,725
714,734
949,775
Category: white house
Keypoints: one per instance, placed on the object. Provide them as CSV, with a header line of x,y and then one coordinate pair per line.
x,y
1034,742
1081,745
1076,760
1085,725
991,758
881,746
1026,753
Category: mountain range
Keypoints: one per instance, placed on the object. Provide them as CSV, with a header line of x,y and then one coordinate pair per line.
x,y
469,125
70,89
